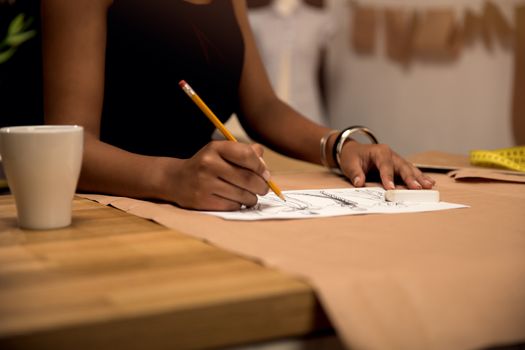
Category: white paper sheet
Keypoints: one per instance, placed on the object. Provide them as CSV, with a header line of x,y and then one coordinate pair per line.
x,y
303,204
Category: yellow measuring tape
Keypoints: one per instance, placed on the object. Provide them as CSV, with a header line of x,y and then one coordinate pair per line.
x,y
512,158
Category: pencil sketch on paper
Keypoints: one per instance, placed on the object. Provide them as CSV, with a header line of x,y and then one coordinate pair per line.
x,y
328,202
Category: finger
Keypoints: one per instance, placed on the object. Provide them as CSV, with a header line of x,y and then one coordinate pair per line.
x,y
218,203
236,194
383,160
218,176
426,181
245,156
259,149
201,196
266,174
220,195
353,169
244,179
410,175
240,177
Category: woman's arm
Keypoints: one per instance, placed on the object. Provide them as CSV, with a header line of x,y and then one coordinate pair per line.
x,y
276,124
265,117
74,39
221,176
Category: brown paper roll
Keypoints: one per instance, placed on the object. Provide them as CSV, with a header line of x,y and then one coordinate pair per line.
x,y
497,25
364,28
472,27
399,33
437,35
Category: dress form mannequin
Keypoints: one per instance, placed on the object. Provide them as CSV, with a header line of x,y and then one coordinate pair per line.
x,y
291,37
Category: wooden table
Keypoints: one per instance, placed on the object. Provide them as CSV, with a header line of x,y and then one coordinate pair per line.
x,y
113,280
75,288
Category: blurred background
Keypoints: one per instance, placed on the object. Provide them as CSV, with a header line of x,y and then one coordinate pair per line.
x,y
442,75
424,75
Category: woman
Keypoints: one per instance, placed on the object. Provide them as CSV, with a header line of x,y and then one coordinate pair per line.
x,y
113,67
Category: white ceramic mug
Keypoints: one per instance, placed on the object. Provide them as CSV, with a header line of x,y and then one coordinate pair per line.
x,y
42,165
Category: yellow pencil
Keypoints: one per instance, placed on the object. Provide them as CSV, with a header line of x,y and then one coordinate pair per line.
x,y
213,118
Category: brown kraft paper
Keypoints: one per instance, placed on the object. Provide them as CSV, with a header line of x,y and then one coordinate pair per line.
x,y
364,29
451,279
400,24
472,27
496,23
436,35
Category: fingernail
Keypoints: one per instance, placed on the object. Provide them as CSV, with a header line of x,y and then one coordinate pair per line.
x,y
417,184
391,185
262,161
266,175
427,182
356,180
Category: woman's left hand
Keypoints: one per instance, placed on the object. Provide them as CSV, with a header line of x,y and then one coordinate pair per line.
x,y
358,159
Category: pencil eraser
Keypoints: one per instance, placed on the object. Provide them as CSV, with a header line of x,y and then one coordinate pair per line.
x,y
412,196
182,83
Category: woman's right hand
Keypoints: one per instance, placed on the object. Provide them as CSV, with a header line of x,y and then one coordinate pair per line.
x,y
223,175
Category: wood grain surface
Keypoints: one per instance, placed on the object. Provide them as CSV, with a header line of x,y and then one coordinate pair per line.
x,y
113,280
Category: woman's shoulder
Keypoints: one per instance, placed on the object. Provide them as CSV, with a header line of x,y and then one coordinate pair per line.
x,y
79,6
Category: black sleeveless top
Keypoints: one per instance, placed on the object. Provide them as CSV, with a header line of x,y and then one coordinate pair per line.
x,y
151,46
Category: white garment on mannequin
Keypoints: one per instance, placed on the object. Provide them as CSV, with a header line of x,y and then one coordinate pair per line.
x,y
285,7
290,36
282,86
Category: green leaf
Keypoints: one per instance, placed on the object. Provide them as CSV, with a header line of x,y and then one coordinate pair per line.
x,y
17,34
6,55
16,25
18,39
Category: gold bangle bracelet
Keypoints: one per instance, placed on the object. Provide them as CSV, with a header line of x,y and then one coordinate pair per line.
x,y
323,142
